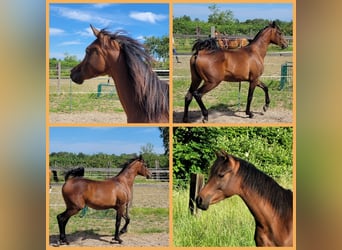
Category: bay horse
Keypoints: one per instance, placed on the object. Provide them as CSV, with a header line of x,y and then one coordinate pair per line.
x,y
115,192
232,43
269,203
213,65
143,96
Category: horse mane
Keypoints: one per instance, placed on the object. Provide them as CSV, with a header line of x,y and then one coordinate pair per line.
x,y
151,92
76,172
279,198
262,30
126,164
209,44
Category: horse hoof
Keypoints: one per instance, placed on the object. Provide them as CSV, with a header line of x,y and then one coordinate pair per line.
x,y
265,108
116,239
205,119
250,115
62,242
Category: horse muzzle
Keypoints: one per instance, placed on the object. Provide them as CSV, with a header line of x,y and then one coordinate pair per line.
x,y
75,75
201,204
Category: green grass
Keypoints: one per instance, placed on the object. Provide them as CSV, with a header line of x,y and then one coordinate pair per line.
x,y
226,95
70,97
228,223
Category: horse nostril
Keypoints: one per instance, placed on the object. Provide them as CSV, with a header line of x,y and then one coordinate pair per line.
x,y
198,201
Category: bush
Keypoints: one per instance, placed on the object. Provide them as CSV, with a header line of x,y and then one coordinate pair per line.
x,y
268,148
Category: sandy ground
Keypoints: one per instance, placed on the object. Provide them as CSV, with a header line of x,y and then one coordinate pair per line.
x,y
227,117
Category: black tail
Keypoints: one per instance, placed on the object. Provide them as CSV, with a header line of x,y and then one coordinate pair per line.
x,y
74,172
208,44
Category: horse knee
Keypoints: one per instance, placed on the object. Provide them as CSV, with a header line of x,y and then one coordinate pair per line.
x,y
188,97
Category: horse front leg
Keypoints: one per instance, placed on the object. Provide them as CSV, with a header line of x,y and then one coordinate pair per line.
x,y
119,213
267,98
249,100
127,220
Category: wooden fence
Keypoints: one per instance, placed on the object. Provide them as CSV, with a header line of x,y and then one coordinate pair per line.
x,y
158,174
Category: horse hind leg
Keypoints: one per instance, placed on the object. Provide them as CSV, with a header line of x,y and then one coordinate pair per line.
x,y
188,98
198,98
63,219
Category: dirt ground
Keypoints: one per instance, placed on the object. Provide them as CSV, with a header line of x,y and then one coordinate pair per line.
x,y
271,116
88,117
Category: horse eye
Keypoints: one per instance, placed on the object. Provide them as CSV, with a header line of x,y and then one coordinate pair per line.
x,y
221,175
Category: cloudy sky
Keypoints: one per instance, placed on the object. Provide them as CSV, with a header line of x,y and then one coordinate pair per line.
x,y
70,33
109,140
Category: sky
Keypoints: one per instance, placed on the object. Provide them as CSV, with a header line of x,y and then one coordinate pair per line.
x,y
70,33
108,140
69,24
242,12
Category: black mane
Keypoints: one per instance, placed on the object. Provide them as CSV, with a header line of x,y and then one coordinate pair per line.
x,y
280,199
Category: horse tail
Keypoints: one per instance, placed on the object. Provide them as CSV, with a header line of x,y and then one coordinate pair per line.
x,y
208,44
77,172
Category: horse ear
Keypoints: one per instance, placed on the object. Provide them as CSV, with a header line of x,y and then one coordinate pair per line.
x,y
222,154
273,24
95,31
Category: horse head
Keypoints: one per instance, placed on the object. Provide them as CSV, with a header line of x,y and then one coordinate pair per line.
x,y
277,36
95,61
222,181
143,170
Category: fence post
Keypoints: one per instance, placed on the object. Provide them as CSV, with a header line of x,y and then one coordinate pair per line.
x,y
196,184
58,77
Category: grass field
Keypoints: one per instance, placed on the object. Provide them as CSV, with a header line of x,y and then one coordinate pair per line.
x,y
70,97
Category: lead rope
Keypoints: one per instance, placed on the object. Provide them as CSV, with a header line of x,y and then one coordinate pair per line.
x,y
239,96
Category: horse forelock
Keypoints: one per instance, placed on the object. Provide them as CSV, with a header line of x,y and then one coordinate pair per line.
x,y
151,93
267,188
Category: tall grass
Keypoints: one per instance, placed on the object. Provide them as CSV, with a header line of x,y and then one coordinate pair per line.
x,y
227,223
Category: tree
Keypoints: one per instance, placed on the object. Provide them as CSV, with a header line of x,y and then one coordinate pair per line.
x,y
220,17
164,134
158,48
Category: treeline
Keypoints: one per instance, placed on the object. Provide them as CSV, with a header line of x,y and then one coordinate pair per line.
x,y
228,26
269,149
62,160
186,26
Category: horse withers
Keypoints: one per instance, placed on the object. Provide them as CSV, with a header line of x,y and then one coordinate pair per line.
x,y
115,192
269,203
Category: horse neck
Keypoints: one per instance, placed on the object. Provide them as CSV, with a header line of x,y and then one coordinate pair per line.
x,y
128,175
126,94
260,42
258,206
